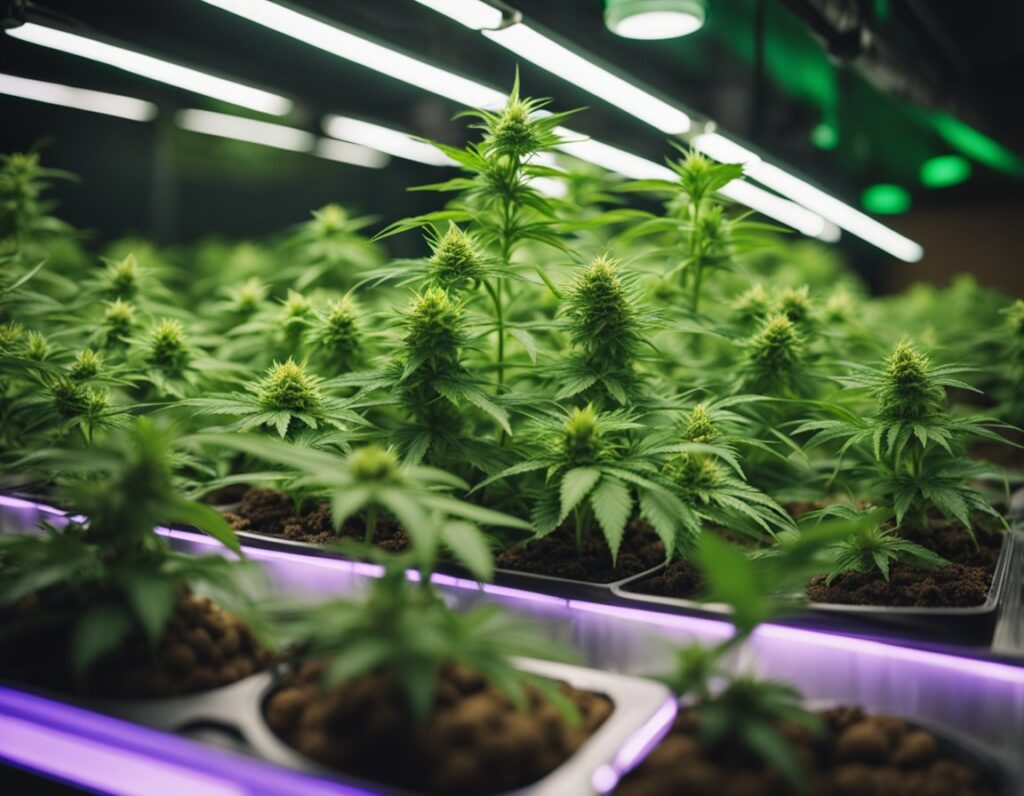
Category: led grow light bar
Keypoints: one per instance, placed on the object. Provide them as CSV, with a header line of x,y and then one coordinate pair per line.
x,y
863,226
548,54
226,125
82,99
474,14
461,90
153,68
394,142
353,154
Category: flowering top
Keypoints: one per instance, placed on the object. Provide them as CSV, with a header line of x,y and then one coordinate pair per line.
x,y
455,259
168,346
288,388
908,392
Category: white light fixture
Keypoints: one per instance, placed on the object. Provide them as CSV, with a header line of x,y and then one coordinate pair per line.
x,y
839,213
255,132
353,154
562,62
433,79
153,68
363,52
81,98
654,19
474,14
384,139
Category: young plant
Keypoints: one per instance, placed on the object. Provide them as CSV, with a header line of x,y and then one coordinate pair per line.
x,y
913,445
336,336
371,480
595,474
24,213
285,400
123,579
329,248
406,631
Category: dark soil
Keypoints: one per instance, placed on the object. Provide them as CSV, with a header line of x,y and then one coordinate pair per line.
x,y
680,579
203,647
962,584
859,756
270,512
474,741
556,555
226,495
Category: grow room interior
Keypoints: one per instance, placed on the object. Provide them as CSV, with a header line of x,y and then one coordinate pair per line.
x,y
463,397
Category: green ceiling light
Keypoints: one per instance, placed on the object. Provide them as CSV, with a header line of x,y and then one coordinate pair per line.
x,y
825,136
977,145
654,19
944,171
885,199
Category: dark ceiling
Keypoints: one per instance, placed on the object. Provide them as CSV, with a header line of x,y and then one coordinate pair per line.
x,y
957,56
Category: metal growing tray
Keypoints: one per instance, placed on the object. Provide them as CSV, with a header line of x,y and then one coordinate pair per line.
x,y
975,618
232,717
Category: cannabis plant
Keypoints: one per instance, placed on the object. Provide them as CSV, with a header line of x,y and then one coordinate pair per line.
x,y
372,480
124,579
328,248
336,337
913,445
595,474
24,213
408,632
498,198
287,399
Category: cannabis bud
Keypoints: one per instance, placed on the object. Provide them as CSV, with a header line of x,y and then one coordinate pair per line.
x,y
248,296
693,472
455,260
433,328
72,400
839,307
168,348
329,220
795,304
339,329
118,321
123,277
288,388
12,335
36,346
775,355
908,392
374,463
753,304
86,366
581,440
1015,317
513,134
603,318
699,427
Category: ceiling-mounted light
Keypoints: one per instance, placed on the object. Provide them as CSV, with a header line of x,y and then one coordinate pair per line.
x,y
945,171
839,213
886,199
255,132
80,98
353,154
562,62
364,52
475,14
384,139
391,63
153,68
654,19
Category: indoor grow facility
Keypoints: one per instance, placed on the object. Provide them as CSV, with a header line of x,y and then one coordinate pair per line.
x,y
463,398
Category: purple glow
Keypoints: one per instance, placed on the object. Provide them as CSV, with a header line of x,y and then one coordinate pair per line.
x,y
99,751
636,748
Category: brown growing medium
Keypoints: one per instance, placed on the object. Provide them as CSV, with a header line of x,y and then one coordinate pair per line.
x,y
860,755
475,741
556,555
270,512
680,579
203,647
964,583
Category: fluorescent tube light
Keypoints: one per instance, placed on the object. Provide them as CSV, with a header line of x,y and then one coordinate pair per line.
x,y
153,68
439,81
474,14
255,132
353,154
364,52
790,213
384,139
537,48
81,98
839,213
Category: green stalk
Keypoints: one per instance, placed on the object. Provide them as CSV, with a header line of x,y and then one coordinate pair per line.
x,y
371,524
695,246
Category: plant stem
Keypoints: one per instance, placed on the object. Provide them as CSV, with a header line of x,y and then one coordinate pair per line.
x,y
371,525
